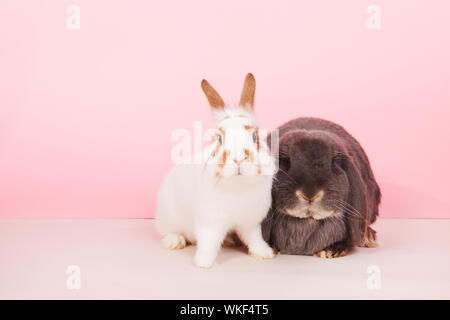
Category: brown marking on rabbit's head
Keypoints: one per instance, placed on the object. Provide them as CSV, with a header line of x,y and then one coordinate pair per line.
x,y
249,155
223,159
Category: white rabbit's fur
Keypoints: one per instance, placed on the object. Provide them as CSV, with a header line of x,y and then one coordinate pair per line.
x,y
201,202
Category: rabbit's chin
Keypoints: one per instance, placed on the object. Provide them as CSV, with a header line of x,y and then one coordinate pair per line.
x,y
314,213
243,180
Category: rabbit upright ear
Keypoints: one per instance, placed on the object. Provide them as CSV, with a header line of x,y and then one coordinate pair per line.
x,y
357,212
248,92
214,99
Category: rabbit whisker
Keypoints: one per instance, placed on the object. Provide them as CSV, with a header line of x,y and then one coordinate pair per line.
x,y
350,210
287,175
349,205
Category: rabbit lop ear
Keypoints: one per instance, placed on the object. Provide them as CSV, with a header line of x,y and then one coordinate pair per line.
x,y
357,213
248,92
214,99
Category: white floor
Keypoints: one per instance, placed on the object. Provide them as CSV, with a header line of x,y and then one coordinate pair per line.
x,y
122,259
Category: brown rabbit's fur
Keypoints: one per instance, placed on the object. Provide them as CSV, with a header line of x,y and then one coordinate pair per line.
x,y
317,155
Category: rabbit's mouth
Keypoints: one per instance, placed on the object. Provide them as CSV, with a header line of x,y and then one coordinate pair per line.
x,y
308,212
246,169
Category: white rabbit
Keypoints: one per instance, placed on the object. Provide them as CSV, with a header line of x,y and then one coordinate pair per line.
x,y
227,188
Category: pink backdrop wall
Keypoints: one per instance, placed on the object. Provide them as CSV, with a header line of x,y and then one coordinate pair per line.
x,y
86,115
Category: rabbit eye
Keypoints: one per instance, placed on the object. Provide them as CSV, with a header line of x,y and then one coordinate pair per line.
x,y
219,138
255,137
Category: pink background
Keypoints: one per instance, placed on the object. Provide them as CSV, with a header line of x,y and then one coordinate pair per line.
x,y
86,116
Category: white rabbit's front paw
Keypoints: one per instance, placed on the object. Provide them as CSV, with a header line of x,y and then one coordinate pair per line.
x,y
204,261
173,241
262,251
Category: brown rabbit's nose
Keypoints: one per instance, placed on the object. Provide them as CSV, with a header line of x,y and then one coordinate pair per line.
x,y
316,197
238,162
